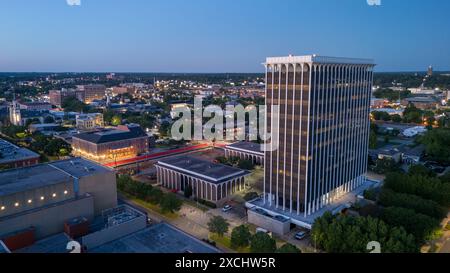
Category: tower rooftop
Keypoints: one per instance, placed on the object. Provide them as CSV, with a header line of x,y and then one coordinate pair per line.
x,y
318,59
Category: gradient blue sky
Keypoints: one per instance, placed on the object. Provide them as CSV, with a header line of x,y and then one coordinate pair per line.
x,y
218,35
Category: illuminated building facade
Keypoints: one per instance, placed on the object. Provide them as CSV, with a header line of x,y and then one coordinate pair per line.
x,y
323,130
57,97
91,92
89,121
110,145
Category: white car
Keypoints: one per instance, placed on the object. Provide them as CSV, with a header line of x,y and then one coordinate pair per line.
x,y
301,235
227,208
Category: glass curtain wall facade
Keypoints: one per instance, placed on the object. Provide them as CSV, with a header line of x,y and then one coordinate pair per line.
x,y
323,130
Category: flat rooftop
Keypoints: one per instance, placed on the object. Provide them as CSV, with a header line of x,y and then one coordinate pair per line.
x,y
318,59
160,238
110,135
42,175
11,153
202,169
53,244
248,147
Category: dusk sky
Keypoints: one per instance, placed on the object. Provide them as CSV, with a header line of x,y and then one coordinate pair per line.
x,y
218,35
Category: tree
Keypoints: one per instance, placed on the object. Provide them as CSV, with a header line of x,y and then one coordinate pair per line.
x,y
426,187
349,234
437,144
246,165
288,248
389,198
155,197
420,170
396,118
170,203
222,160
262,243
218,225
108,116
116,120
373,140
49,119
72,104
379,115
188,191
164,129
240,237
385,165
420,225
57,147
250,196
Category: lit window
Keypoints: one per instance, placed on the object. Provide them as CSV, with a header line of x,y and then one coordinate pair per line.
x,y
42,197
54,195
16,204
30,201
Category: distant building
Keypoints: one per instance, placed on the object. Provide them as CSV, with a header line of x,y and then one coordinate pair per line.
x,y
378,103
414,131
208,181
392,153
175,108
422,91
109,145
414,155
35,106
390,111
15,116
57,97
120,90
35,202
89,121
245,150
45,127
12,156
430,71
424,103
91,92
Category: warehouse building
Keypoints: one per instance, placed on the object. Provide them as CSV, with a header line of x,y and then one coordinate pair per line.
x,y
35,202
12,156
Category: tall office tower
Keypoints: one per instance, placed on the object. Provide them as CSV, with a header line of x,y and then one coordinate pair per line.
x,y
323,130
430,71
15,116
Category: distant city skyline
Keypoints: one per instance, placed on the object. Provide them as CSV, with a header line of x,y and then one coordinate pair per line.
x,y
203,36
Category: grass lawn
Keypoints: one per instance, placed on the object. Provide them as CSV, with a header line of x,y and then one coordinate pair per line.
x,y
225,241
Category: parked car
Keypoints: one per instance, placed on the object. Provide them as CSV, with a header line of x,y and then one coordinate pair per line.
x,y
301,235
227,208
